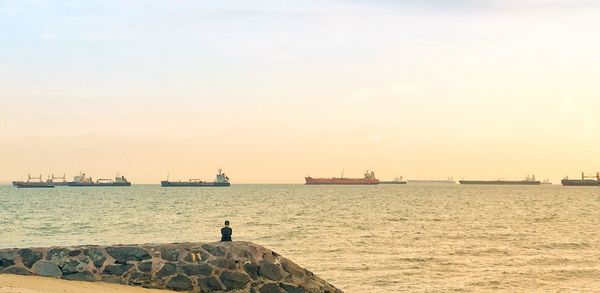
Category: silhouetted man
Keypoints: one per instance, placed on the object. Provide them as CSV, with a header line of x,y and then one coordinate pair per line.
x,y
226,232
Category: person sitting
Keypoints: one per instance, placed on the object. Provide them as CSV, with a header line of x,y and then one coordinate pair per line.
x,y
226,232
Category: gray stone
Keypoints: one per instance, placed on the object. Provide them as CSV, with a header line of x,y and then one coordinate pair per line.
x,y
74,252
234,280
270,270
47,268
166,270
96,255
180,283
57,254
117,270
291,288
252,270
29,257
113,279
169,254
72,266
8,255
4,263
201,269
293,269
137,278
17,271
80,276
214,250
225,263
122,254
145,266
270,288
210,284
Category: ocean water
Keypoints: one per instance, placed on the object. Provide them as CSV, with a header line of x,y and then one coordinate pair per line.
x,y
390,238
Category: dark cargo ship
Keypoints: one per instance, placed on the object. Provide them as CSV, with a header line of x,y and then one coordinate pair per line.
x,y
397,180
33,184
82,181
369,179
584,181
527,181
221,181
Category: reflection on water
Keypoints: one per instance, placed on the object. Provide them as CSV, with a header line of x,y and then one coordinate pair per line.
x,y
360,238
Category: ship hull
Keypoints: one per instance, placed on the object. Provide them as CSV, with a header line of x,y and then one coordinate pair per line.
x,y
77,184
577,182
193,184
500,182
32,185
341,181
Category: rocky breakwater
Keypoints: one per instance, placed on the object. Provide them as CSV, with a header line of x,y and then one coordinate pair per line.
x,y
195,267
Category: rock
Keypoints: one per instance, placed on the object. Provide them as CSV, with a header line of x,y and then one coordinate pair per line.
x,y
225,263
137,278
251,269
122,254
210,284
197,269
113,279
214,250
29,257
291,288
17,271
169,254
74,252
80,276
96,255
57,254
234,280
270,288
47,269
117,270
270,270
180,283
293,269
4,263
72,266
8,255
166,270
145,266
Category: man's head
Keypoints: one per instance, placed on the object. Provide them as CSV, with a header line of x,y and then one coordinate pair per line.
x,y
226,222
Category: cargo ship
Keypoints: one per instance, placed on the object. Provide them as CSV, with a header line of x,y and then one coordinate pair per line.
x,y
584,181
368,179
397,180
221,180
448,180
33,184
527,181
82,181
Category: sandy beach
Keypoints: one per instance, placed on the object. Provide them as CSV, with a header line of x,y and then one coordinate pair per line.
x,y
34,284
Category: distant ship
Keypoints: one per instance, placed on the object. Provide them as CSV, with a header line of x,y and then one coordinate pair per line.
x,y
546,182
584,181
221,180
527,181
369,179
397,180
82,181
449,180
33,184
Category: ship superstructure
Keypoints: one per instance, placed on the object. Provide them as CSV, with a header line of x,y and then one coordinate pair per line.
x,y
397,180
82,181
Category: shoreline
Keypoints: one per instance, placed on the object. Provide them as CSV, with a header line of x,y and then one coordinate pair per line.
x,y
37,284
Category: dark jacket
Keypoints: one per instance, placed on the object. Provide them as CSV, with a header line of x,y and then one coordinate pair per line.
x,y
226,234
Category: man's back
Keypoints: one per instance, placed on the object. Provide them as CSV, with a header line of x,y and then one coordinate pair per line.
x,y
226,234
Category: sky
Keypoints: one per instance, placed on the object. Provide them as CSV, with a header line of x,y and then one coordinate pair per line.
x,y
272,91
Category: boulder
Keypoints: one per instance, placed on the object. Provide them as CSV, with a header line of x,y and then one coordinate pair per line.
x,y
145,266
201,269
169,254
74,266
80,276
166,270
47,269
180,283
16,271
96,256
122,254
234,280
210,284
270,270
270,288
117,270
29,257
57,254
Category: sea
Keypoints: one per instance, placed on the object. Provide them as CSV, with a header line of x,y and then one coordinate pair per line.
x,y
384,238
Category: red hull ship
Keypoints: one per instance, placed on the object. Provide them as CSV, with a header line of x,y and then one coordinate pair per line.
x,y
369,179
